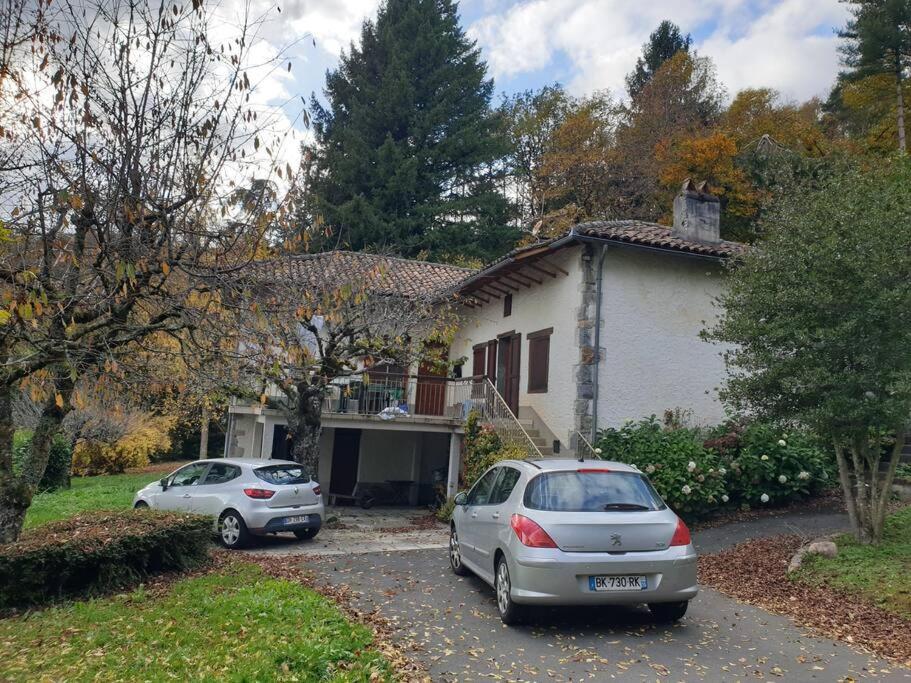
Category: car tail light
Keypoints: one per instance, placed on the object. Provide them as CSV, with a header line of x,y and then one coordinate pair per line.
x,y
530,533
259,494
681,534
317,490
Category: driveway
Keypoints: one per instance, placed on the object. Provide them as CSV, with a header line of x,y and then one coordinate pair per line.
x,y
452,626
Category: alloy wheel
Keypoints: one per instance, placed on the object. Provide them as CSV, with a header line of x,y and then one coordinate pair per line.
x,y
503,596
230,529
455,554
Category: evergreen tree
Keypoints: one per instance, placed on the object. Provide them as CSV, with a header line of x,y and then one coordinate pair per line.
x,y
879,42
408,153
664,43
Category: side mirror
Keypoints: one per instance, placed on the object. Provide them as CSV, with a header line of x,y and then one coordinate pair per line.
x,y
163,483
461,498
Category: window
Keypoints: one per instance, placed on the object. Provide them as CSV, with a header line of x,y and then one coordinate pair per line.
x,y
591,490
505,485
507,305
480,493
282,474
189,475
539,360
221,473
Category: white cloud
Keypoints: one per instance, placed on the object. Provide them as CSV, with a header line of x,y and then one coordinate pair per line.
x,y
786,44
333,24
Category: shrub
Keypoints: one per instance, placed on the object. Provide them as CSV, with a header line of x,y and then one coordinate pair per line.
x,y
484,448
96,552
444,511
771,465
131,444
57,473
687,475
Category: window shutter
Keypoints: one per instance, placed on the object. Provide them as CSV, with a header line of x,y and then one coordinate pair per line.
x,y
478,359
492,360
538,361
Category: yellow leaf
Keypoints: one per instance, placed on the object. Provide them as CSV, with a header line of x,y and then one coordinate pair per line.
x,y
58,399
165,268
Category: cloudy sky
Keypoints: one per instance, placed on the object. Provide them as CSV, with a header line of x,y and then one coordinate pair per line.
x,y
789,45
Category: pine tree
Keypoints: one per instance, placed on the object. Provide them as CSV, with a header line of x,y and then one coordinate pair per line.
x,y
879,42
664,43
408,149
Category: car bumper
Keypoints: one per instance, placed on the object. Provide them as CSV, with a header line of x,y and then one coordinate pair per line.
x,y
272,520
550,576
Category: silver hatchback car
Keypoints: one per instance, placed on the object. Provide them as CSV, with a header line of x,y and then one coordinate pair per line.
x,y
565,532
244,497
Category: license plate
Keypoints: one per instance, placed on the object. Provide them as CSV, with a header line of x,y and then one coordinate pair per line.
x,y
617,583
300,519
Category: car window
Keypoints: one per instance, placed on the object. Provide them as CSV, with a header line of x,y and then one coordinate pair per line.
x,y
504,486
189,475
221,473
480,493
282,474
591,490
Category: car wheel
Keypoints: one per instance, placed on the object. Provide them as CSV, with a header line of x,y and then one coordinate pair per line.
x,y
141,505
232,532
510,612
668,612
455,553
306,534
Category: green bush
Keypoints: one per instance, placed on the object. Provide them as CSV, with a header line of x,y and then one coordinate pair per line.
x,y
97,552
770,465
60,458
483,449
688,476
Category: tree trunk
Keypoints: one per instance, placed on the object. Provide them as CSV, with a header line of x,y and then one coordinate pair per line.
x,y
901,112
15,494
55,409
204,433
306,433
867,490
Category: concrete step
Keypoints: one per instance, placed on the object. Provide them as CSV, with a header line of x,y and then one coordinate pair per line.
x,y
546,451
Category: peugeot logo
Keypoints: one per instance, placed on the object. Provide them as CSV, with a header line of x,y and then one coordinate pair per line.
x,y
295,490
616,539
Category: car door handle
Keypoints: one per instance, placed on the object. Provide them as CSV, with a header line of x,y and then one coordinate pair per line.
x,y
496,515
474,515
187,495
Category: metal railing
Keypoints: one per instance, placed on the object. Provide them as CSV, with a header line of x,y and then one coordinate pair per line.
x,y
389,395
494,411
584,449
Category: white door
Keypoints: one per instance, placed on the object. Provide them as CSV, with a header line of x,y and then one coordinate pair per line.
x,y
495,516
181,487
209,496
469,530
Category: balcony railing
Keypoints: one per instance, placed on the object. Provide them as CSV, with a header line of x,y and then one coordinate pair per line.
x,y
391,395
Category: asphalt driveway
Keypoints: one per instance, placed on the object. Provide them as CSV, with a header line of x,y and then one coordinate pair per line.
x,y
452,625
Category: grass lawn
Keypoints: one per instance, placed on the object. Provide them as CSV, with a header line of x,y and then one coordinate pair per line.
x,y
105,492
236,624
880,574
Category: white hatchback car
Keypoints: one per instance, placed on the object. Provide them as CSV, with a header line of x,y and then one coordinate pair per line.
x,y
565,532
244,496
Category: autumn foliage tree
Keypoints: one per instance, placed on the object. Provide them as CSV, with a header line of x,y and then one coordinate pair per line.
x,y
119,122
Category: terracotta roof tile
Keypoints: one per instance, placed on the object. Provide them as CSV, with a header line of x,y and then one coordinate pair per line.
x,y
386,274
659,236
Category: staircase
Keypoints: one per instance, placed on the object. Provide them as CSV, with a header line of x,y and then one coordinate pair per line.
x,y
496,412
544,447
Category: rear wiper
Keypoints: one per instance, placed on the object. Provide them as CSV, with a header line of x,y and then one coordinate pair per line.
x,y
626,506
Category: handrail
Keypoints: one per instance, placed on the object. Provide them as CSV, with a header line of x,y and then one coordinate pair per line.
x,y
584,449
496,411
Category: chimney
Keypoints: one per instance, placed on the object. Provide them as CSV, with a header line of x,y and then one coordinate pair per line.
x,y
697,214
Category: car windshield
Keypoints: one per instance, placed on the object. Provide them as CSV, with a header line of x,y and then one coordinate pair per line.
x,y
282,474
591,491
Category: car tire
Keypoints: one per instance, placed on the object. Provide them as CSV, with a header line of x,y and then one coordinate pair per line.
x,y
668,612
455,553
232,531
510,612
141,505
305,534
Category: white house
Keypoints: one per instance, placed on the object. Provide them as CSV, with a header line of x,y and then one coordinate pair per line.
x,y
576,333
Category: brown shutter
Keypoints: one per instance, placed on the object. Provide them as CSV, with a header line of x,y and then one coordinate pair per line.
x,y
477,361
492,360
538,361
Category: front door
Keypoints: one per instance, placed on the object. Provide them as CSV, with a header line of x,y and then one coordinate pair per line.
x,y
281,444
430,396
508,365
345,458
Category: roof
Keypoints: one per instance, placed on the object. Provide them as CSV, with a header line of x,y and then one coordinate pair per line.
x,y
383,274
657,236
558,464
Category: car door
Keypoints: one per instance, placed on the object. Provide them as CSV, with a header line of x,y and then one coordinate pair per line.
x,y
494,517
478,497
210,496
181,488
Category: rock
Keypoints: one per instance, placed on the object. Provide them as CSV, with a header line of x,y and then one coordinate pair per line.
x,y
825,548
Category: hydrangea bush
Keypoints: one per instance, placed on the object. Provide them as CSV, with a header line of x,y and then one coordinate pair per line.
x,y
696,472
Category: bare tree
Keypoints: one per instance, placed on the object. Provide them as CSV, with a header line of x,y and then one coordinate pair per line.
x,y
121,122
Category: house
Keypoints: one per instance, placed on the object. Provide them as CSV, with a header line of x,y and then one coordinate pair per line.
x,y
555,340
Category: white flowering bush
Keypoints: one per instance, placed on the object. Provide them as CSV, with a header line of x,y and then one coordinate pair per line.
x,y
685,473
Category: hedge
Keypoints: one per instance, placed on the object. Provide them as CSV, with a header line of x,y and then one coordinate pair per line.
x,y
97,552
